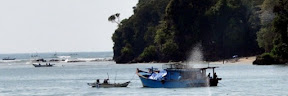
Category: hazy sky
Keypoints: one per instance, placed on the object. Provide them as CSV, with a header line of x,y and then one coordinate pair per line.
x,y
29,26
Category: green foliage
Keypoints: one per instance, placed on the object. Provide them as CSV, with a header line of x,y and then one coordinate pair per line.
x,y
127,49
275,35
127,54
280,26
169,48
268,4
139,30
149,54
265,59
113,18
267,55
281,50
165,30
232,28
265,38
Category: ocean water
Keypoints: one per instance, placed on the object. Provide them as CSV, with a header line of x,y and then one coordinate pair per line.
x,y
70,79
25,57
51,55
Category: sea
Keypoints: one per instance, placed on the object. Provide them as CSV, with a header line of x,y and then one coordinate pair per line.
x,y
18,78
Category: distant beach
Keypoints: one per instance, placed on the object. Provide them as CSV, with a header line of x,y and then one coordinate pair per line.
x,y
240,60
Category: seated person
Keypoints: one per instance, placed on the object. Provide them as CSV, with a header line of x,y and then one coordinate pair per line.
x,y
105,81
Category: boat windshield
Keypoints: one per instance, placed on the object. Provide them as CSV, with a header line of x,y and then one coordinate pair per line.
x,y
174,66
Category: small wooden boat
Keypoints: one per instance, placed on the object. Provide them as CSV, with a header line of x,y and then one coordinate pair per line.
x,y
108,85
47,65
8,58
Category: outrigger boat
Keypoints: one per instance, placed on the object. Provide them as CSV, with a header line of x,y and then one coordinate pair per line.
x,y
39,65
106,84
177,76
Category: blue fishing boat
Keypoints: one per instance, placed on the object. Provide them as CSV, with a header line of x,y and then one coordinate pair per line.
x,y
177,76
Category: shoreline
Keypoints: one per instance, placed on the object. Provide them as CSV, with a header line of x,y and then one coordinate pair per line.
x,y
240,60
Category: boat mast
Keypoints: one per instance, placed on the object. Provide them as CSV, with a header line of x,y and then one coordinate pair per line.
x,y
108,75
115,77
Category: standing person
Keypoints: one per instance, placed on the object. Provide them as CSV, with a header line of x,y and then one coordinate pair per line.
x,y
215,76
209,76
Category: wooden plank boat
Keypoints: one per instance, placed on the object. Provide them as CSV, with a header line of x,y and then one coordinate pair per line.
x,y
47,65
108,85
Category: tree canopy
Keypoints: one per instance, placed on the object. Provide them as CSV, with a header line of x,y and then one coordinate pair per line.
x,y
166,30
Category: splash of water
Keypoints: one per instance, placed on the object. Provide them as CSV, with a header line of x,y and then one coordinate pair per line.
x,y
195,60
196,57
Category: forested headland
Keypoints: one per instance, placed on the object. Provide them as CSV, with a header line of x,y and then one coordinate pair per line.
x,y
167,30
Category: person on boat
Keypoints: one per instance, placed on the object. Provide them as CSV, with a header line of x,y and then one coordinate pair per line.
x,y
150,71
97,81
215,76
49,63
105,81
209,76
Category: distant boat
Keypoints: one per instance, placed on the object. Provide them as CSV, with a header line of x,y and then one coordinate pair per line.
x,y
35,59
177,76
32,61
40,60
54,60
8,58
106,84
46,65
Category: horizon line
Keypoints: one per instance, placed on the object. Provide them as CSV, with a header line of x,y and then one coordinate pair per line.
x,y
55,52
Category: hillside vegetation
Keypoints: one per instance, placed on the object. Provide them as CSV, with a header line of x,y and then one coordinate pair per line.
x,y
167,30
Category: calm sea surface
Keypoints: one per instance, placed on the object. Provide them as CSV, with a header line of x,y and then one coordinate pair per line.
x,y
70,79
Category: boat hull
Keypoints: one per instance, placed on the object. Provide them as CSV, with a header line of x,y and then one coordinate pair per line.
x,y
9,59
103,85
174,83
37,65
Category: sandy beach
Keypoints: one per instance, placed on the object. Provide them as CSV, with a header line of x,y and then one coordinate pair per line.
x,y
240,60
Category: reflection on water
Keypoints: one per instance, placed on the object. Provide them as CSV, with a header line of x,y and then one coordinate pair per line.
x,y
71,78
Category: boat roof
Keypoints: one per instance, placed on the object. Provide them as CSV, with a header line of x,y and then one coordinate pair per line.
x,y
183,66
210,67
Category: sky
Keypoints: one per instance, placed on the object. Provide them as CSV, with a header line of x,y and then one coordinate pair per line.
x,y
29,26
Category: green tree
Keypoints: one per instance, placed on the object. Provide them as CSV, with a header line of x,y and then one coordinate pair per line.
x,y
113,18
280,26
265,38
